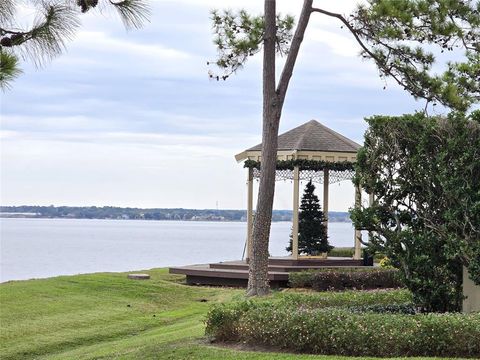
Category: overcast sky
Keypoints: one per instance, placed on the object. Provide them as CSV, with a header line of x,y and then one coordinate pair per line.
x,y
132,119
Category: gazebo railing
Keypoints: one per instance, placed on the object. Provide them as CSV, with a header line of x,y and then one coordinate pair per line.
x,y
335,176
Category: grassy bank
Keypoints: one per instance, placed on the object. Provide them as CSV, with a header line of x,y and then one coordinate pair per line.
x,y
107,316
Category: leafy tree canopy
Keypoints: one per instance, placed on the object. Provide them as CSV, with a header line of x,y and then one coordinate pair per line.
x,y
55,22
425,175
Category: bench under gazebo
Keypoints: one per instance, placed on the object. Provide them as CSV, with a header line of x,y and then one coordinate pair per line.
x,y
310,151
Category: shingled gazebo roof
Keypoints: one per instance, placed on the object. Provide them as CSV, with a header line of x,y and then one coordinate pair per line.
x,y
311,140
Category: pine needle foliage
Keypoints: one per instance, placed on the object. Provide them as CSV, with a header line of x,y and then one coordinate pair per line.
x,y
9,69
239,35
133,13
429,48
7,10
405,38
55,23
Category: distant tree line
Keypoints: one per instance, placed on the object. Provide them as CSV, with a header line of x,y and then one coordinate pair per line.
x,y
111,212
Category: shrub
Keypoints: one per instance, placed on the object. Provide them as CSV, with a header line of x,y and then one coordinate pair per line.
x,y
223,319
301,279
348,298
385,263
344,331
423,172
341,252
349,252
348,278
407,308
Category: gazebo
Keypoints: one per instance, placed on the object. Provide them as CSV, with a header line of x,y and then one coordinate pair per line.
x,y
310,151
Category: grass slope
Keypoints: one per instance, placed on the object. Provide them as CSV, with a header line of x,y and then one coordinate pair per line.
x,y
107,316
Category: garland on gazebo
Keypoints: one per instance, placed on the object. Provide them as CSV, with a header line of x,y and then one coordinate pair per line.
x,y
303,164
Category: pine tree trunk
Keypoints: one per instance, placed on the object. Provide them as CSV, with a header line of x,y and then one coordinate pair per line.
x,y
273,99
258,269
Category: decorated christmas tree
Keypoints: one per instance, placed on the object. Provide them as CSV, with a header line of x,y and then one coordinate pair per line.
x,y
312,232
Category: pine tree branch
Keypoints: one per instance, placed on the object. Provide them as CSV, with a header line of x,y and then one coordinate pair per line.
x,y
294,49
134,13
56,21
381,64
11,32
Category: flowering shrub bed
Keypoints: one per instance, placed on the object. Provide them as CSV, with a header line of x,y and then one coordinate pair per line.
x,y
408,309
374,330
349,278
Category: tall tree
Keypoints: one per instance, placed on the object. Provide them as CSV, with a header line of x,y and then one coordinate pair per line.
x,y
312,232
396,35
273,99
424,172
55,22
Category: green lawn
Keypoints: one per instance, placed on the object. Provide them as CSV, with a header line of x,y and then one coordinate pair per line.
x,y
107,316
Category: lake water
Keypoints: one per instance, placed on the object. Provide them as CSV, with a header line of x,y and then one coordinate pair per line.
x,y
39,248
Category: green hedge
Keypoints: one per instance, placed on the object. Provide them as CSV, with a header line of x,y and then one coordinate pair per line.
x,y
345,298
349,251
348,278
341,252
344,330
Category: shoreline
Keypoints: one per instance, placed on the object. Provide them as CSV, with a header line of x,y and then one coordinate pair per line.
x,y
162,220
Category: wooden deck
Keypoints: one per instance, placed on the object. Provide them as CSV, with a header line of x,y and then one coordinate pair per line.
x,y
235,273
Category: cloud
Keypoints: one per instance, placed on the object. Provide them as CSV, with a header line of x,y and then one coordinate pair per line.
x,y
339,44
76,173
78,131
8,134
112,55
132,118
100,41
48,123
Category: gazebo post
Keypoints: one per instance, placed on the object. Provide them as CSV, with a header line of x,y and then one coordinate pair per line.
x,y
249,213
326,178
358,233
296,190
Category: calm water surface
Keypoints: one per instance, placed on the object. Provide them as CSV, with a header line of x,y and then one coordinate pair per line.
x,y
38,248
